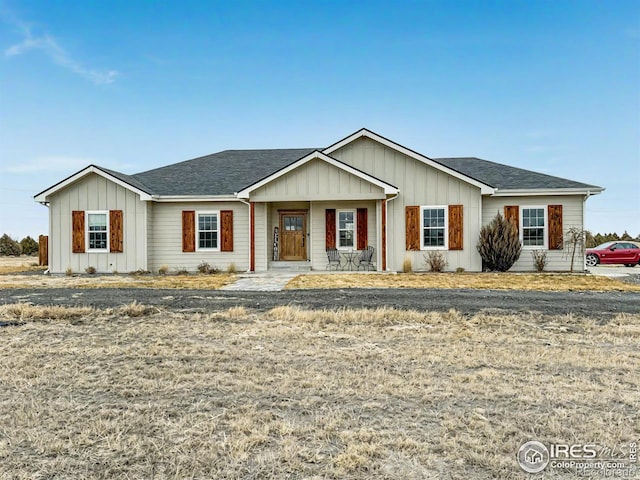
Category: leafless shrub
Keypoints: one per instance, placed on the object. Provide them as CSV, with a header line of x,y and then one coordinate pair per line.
x,y
539,259
206,268
163,270
232,268
460,270
90,270
435,261
68,272
182,271
574,241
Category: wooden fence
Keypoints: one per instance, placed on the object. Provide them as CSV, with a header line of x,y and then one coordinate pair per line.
x,y
43,250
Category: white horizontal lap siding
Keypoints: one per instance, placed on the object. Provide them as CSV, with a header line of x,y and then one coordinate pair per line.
x,y
165,243
572,216
317,180
318,234
419,184
94,192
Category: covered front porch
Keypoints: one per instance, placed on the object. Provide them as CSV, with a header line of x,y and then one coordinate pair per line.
x,y
317,203
297,234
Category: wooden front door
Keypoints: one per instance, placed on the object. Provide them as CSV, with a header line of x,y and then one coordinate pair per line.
x,y
293,235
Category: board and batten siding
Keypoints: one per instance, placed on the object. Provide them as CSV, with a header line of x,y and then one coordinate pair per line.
x,y
572,216
318,229
165,241
95,192
317,180
419,184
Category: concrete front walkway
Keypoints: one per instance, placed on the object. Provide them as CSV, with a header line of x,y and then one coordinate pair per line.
x,y
261,282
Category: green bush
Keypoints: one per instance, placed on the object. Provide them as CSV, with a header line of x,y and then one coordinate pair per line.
x,y
9,246
29,246
499,244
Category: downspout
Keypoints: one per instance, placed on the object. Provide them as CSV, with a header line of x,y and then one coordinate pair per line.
x,y
47,271
386,247
584,235
248,204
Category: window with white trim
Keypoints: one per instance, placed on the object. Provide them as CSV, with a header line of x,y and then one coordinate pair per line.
x,y
207,231
434,227
346,229
533,226
97,231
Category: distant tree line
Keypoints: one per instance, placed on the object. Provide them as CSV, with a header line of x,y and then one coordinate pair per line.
x,y
12,247
595,240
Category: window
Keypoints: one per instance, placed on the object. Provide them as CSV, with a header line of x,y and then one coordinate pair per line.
x,y
346,228
293,223
433,227
208,231
534,225
97,231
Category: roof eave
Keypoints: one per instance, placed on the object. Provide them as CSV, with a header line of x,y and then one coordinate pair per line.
x,y
194,198
521,192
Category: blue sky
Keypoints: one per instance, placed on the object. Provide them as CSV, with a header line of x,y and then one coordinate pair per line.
x,y
552,86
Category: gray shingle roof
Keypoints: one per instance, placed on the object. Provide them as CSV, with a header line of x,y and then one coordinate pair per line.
x,y
130,179
222,173
230,171
505,177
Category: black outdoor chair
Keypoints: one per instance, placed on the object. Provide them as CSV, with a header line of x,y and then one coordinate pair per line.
x,y
333,257
365,260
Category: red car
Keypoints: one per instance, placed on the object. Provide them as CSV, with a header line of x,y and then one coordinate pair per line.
x,y
626,253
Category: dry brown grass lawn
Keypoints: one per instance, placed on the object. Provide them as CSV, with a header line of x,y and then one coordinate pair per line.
x,y
296,394
195,281
11,267
500,281
19,264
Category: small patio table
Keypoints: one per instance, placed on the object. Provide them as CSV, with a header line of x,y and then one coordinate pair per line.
x,y
350,256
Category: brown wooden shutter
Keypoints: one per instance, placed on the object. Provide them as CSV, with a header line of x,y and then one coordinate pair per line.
x,y
512,212
362,228
412,227
554,214
188,231
116,239
226,232
455,227
330,228
77,231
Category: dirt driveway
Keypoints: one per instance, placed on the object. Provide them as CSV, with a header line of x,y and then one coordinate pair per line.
x,y
466,301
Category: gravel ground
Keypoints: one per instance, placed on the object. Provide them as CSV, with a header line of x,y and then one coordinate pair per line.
x,y
466,301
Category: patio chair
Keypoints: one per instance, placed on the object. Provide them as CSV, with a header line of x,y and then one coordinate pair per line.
x,y
333,257
365,260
